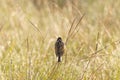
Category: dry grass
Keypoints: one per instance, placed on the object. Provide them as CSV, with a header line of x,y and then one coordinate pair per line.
x,y
28,32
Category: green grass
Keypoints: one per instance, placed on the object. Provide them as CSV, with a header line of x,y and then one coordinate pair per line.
x,y
28,32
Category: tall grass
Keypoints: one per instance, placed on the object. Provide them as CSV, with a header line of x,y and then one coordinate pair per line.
x,y
29,29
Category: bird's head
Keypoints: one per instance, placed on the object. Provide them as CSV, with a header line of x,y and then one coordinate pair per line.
x,y
59,39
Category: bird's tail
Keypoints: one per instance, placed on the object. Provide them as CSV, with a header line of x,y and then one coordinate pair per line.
x,y
59,58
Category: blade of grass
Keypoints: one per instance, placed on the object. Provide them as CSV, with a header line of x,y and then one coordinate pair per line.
x,y
93,73
29,61
73,33
96,48
36,29
31,22
69,32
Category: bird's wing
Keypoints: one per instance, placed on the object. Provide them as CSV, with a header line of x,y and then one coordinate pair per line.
x,y
62,48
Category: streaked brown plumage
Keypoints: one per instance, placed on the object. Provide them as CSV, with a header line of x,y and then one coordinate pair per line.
x,y
59,48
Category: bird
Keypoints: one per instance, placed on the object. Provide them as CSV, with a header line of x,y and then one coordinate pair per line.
x,y
59,48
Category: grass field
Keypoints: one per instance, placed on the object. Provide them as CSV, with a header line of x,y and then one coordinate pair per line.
x,y
89,28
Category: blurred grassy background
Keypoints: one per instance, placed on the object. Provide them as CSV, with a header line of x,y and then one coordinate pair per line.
x,y
29,29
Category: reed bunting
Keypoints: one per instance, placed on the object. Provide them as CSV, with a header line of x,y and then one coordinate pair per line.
x,y
59,48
